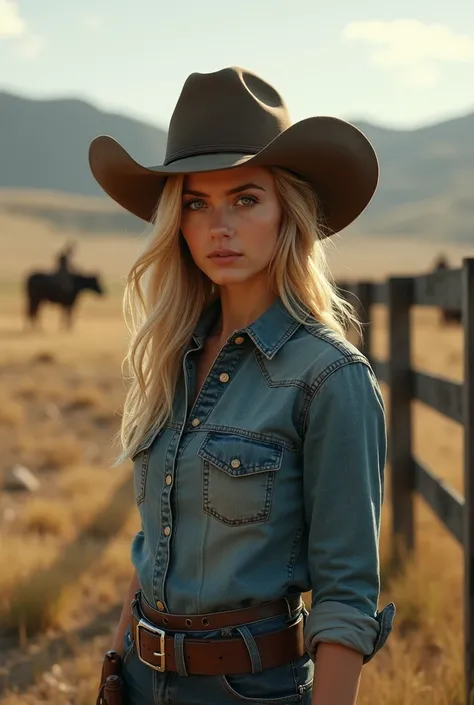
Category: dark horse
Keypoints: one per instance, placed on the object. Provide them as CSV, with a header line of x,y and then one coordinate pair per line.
x,y
42,286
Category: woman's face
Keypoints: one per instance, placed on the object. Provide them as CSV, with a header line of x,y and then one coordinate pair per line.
x,y
231,221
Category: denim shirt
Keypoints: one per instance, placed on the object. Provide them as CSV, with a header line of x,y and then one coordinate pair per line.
x,y
271,484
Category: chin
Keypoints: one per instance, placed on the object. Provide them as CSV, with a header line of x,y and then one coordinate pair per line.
x,y
229,278
226,279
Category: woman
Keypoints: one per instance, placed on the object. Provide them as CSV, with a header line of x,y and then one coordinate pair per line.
x,y
256,430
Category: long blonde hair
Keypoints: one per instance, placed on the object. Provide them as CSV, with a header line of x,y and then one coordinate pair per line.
x,y
166,293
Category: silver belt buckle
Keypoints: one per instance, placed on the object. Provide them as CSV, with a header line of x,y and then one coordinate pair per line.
x,y
144,624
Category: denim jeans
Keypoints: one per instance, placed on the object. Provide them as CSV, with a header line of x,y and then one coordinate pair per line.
x,y
283,685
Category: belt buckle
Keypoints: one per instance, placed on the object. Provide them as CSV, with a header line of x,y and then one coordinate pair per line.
x,y
144,624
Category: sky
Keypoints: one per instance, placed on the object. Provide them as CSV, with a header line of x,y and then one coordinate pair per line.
x,y
399,64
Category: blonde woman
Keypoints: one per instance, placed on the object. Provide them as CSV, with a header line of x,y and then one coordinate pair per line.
x,y
257,432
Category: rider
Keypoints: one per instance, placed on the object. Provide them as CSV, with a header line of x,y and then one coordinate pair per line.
x,y
63,269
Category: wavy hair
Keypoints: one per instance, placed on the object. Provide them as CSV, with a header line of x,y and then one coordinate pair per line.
x,y
166,293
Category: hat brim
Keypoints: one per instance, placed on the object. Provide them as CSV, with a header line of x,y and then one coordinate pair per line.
x,y
332,155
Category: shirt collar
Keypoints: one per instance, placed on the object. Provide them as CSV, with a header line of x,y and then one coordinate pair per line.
x,y
269,332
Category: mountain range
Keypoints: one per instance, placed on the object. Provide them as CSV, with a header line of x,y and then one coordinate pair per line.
x,y
426,185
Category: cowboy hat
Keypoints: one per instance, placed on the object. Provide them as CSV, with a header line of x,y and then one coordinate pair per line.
x,y
232,117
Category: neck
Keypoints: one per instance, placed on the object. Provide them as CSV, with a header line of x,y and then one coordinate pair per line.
x,y
240,306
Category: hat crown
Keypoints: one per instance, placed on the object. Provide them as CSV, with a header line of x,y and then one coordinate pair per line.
x,y
231,110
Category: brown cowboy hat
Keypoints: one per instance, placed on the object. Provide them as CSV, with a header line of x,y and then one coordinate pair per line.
x,y
232,117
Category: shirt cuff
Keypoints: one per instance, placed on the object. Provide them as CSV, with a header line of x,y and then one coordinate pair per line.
x,y
339,623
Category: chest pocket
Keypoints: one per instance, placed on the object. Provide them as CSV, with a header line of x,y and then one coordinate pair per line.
x,y
141,459
238,475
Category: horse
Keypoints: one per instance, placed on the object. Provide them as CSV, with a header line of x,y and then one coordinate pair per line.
x,y
41,287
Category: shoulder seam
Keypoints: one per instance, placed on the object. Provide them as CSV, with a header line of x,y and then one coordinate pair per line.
x,y
349,359
323,335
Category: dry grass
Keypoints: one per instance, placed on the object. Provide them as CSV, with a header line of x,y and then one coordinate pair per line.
x,y
64,556
11,411
52,453
45,516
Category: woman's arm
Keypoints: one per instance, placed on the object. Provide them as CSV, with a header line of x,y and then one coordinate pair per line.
x,y
344,460
336,675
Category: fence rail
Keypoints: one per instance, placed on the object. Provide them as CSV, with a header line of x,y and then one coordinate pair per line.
x,y
444,501
451,290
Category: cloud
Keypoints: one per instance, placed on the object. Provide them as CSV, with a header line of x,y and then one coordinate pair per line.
x,y
11,24
30,46
27,45
92,22
415,51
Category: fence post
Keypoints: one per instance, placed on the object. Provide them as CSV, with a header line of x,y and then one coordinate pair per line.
x,y
364,295
400,455
467,309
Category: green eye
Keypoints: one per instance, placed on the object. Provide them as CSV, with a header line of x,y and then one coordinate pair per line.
x,y
194,205
247,200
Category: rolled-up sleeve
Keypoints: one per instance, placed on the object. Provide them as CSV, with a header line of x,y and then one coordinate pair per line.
x,y
344,463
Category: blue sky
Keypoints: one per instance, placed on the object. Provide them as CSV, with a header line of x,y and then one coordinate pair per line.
x,y
400,64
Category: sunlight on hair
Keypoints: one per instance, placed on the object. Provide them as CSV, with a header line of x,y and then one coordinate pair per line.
x,y
299,266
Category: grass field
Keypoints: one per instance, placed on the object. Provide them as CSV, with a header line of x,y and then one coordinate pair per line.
x,y
64,556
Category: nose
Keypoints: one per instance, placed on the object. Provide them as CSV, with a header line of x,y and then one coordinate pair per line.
x,y
220,224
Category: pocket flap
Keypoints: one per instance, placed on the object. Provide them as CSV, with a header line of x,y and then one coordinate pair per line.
x,y
237,455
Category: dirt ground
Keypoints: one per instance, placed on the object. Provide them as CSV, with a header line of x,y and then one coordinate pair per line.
x,y
64,555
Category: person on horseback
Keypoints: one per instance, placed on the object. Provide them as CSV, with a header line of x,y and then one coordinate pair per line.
x,y
63,268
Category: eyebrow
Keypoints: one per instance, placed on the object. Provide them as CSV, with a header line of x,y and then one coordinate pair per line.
x,y
237,189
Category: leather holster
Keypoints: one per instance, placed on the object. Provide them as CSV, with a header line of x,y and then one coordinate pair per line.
x,y
111,684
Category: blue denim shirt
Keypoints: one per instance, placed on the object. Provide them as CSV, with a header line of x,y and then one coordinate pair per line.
x,y
271,483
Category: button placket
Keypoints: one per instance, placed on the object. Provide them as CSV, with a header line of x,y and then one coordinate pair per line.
x,y
162,559
220,374
164,543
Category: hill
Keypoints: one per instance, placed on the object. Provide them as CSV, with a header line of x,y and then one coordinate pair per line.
x,y
426,185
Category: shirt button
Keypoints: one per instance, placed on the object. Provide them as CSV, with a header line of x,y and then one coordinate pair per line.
x,y
235,463
224,377
195,422
160,606
239,340
167,531
168,479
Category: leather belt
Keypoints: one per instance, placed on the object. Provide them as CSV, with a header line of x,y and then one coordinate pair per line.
x,y
220,620
156,648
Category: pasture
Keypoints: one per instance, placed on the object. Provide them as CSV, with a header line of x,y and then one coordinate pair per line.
x,y
64,556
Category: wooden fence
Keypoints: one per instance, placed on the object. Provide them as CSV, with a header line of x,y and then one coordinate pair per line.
x,y
449,289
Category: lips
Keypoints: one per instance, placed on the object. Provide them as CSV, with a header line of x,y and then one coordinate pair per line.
x,y
224,253
224,256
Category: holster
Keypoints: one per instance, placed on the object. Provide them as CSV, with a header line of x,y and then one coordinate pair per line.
x,y
111,684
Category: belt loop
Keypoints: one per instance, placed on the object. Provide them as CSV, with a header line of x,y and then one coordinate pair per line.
x,y
293,612
289,610
252,648
179,653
